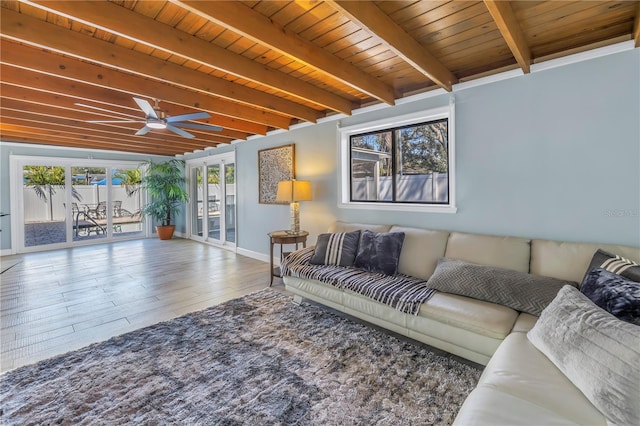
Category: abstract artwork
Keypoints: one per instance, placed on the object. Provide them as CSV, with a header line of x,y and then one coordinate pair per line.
x,y
274,165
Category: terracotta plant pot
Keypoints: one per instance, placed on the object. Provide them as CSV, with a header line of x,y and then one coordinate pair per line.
x,y
165,232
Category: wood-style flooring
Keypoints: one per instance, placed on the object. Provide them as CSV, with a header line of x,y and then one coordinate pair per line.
x,y
56,301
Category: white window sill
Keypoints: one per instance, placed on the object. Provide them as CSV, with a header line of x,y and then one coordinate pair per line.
x,y
399,207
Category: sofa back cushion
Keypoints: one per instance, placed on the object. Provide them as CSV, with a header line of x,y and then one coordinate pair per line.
x,y
569,261
421,250
501,252
340,226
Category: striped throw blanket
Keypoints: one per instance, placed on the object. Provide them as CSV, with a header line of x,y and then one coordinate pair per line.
x,y
401,292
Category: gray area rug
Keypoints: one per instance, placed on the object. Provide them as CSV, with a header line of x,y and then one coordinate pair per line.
x,y
255,360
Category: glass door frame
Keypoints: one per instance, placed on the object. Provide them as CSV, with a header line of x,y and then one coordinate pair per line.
x,y
16,165
203,164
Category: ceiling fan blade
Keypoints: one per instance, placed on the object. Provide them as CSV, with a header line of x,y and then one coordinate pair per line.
x,y
143,131
114,121
146,107
179,131
199,126
185,117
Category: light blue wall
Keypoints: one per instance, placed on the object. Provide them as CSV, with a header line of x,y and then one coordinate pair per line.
x,y
8,149
553,154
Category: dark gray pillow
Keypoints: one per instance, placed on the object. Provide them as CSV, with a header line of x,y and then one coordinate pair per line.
x,y
616,264
379,252
336,249
517,290
614,293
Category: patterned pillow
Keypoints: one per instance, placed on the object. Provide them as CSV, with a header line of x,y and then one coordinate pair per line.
x,y
380,252
595,350
336,249
616,264
614,293
517,290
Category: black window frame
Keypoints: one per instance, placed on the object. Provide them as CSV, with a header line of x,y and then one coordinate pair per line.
x,y
394,163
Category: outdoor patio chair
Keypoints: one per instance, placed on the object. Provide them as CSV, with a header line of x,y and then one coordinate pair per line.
x,y
101,210
117,208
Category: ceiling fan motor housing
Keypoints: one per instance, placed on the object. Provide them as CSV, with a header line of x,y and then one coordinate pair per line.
x,y
157,123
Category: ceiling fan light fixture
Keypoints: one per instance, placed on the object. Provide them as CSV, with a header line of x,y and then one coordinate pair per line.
x,y
156,124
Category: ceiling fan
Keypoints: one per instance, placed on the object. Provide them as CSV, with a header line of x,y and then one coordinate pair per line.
x,y
156,118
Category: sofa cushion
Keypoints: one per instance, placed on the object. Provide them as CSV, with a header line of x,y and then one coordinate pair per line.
x,y
522,386
420,251
401,292
502,252
616,264
379,252
569,261
524,323
596,351
518,290
340,226
484,318
614,293
339,248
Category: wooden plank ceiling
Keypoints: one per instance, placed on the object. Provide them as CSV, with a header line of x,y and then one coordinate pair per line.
x,y
255,66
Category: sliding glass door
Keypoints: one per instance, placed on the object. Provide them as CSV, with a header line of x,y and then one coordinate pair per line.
x,y
230,202
64,202
43,216
212,209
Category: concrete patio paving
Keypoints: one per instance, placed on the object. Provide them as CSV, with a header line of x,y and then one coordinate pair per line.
x,y
42,233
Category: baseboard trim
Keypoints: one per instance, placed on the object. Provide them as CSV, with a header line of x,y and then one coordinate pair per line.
x,y
253,254
7,252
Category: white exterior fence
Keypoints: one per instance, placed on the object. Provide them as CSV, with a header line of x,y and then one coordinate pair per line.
x,y
431,187
38,210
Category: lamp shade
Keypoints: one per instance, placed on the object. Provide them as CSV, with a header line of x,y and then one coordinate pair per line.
x,y
291,191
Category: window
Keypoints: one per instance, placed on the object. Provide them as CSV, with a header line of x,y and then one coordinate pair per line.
x,y
404,163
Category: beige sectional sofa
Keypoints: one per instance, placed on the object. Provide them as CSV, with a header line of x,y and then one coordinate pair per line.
x,y
519,384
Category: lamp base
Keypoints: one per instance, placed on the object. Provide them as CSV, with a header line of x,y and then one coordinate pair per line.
x,y
295,218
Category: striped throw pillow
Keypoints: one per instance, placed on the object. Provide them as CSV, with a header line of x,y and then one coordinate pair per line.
x,y
615,264
337,249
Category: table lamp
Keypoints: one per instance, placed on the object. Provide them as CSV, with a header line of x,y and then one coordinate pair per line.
x,y
293,191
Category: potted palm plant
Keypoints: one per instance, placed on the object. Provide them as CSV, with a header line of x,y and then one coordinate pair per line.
x,y
165,184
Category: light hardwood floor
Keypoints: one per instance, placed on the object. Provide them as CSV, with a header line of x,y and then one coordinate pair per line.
x,y
56,301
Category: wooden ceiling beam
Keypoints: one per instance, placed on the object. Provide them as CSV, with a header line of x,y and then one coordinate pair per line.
x,y
22,137
141,29
68,42
94,134
33,95
243,20
73,69
636,27
83,141
373,20
57,116
508,25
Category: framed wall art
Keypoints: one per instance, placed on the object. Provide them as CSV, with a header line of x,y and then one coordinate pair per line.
x,y
274,165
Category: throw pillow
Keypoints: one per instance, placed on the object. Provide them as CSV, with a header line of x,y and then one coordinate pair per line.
x,y
339,249
614,293
517,290
616,264
595,350
379,252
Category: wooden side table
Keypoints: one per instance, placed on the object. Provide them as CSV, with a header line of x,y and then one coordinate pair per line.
x,y
283,238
